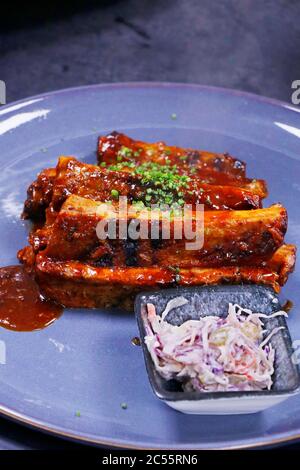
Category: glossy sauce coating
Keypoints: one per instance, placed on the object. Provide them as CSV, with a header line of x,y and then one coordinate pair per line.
x,y
287,306
241,245
216,190
22,307
229,238
159,152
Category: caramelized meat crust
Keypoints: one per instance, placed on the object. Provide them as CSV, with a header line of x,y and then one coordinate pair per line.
x,y
92,182
243,242
110,145
229,237
283,262
39,195
213,171
75,284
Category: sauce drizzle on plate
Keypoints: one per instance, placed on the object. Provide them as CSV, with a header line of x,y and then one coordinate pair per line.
x,y
22,307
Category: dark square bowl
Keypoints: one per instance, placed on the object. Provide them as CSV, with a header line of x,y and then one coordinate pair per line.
x,y
214,300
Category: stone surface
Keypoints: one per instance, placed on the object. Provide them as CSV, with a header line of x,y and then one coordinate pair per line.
x,y
249,45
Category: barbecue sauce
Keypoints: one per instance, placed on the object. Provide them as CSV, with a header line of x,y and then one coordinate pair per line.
x,y
287,306
22,307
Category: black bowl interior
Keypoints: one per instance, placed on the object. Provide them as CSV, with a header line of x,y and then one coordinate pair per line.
x,y
214,300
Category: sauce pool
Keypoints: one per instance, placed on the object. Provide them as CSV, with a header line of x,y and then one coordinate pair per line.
x,y
287,306
22,307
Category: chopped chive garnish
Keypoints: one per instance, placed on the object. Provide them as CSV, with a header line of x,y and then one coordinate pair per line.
x,y
174,269
166,179
114,193
125,152
164,183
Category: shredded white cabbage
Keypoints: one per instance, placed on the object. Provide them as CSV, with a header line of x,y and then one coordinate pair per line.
x,y
213,353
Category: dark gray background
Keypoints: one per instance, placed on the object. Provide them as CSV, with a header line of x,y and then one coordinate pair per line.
x,y
250,45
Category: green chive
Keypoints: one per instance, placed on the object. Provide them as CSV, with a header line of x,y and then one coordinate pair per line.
x,y
114,193
174,269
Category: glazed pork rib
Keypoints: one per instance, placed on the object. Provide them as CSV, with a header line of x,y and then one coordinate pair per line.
x,y
121,151
115,145
97,183
283,262
76,284
39,195
93,182
243,243
79,284
230,237
212,168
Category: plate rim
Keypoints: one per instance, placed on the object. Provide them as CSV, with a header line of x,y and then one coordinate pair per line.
x,y
158,84
60,431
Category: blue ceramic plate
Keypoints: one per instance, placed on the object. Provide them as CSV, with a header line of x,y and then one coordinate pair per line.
x,y
85,361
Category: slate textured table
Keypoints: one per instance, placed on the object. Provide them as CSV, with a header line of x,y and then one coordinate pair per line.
x,y
248,45
251,45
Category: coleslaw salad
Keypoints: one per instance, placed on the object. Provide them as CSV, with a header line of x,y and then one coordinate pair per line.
x,y
213,353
